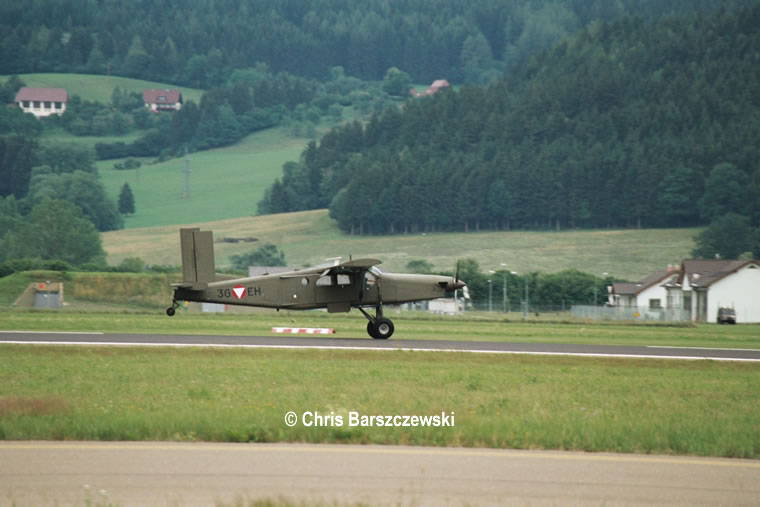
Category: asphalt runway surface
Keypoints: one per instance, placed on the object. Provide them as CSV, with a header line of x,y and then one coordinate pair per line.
x,y
314,342
156,473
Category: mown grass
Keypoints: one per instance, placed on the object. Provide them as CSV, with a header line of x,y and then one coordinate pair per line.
x,y
96,87
224,183
409,326
643,406
308,237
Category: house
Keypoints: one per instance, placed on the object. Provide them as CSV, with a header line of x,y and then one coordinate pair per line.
x,y
647,293
434,88
704,286
42,101
162,100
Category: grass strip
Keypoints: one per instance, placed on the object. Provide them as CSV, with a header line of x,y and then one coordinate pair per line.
x,y
409,325
593,404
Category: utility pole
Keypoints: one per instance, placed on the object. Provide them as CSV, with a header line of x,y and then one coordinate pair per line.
x,y
186,194
505,292
490,296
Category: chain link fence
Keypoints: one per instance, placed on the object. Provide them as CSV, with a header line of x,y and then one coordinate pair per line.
x,y
634,313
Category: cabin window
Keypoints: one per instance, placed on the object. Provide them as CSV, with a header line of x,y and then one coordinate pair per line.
x,y
344,279
305,281
325,281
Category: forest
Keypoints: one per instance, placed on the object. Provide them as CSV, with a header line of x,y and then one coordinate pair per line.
x,y
634,123
198,43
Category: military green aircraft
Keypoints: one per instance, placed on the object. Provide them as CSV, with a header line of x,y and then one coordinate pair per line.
x,y
338,286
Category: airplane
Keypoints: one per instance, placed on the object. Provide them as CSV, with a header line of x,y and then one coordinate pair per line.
x,y
337,286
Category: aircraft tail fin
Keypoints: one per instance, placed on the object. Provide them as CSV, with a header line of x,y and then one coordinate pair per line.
x,y
198,267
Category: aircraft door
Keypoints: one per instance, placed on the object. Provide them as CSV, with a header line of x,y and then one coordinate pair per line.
x,y
336,288
369,289
297,291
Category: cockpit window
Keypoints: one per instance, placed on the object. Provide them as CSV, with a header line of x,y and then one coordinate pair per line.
x,y
374,270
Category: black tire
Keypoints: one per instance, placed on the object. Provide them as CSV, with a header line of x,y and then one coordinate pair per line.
x,y
371,330
170,312
383,329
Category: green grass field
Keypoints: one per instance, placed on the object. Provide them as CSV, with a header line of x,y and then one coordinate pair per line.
x,y
99,88
473,326
309,237
224,183
643,406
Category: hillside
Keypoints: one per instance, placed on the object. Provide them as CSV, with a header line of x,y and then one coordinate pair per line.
x,y
198,44
626,124
224,182
309,237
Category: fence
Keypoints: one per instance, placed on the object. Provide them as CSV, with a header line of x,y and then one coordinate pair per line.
x,y
630,313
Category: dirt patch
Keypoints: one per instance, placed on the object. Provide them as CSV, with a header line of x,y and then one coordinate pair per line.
x,y
31,406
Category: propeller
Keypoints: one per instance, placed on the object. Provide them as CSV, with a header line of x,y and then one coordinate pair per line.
x,y
458,284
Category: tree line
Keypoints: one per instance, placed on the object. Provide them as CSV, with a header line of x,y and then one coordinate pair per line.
x,y
626,124
199,43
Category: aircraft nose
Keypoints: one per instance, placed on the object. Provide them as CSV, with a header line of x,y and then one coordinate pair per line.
x,y
453,284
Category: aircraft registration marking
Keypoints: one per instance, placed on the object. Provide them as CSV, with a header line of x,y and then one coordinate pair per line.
x,y
238,292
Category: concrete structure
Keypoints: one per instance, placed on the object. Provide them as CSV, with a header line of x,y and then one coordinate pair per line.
x,y
703,286
41,295
42,101
162,100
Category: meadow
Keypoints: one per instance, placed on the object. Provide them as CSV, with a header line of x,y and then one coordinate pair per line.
x,y
96,87
526,402
224,182
309,237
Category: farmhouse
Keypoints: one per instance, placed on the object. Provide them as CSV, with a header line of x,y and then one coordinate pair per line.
x,y
704,286
434,88
162,100
42,101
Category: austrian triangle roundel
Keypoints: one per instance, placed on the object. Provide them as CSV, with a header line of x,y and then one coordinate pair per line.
x,y
238,291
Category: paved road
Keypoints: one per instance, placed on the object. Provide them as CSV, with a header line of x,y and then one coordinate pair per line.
x,y
138,473
369,344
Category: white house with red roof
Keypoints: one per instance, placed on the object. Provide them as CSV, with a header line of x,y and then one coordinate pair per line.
x,y
704,286
162,100
42,101
438,85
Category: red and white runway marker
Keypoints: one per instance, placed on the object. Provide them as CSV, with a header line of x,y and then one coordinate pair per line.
x,y
304,330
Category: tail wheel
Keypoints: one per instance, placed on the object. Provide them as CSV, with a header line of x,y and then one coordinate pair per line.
x,y
170,311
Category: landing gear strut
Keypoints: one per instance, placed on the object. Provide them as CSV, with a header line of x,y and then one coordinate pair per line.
x,y
378,327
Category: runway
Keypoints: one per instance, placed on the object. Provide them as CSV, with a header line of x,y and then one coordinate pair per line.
x,y
314,342
183,474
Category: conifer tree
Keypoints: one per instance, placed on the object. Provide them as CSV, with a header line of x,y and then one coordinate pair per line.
x,y
126,200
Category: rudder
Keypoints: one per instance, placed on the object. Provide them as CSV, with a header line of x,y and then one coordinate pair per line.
x,y
198,267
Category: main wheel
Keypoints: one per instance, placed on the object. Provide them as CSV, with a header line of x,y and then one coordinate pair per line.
x,y
371,330
383,329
